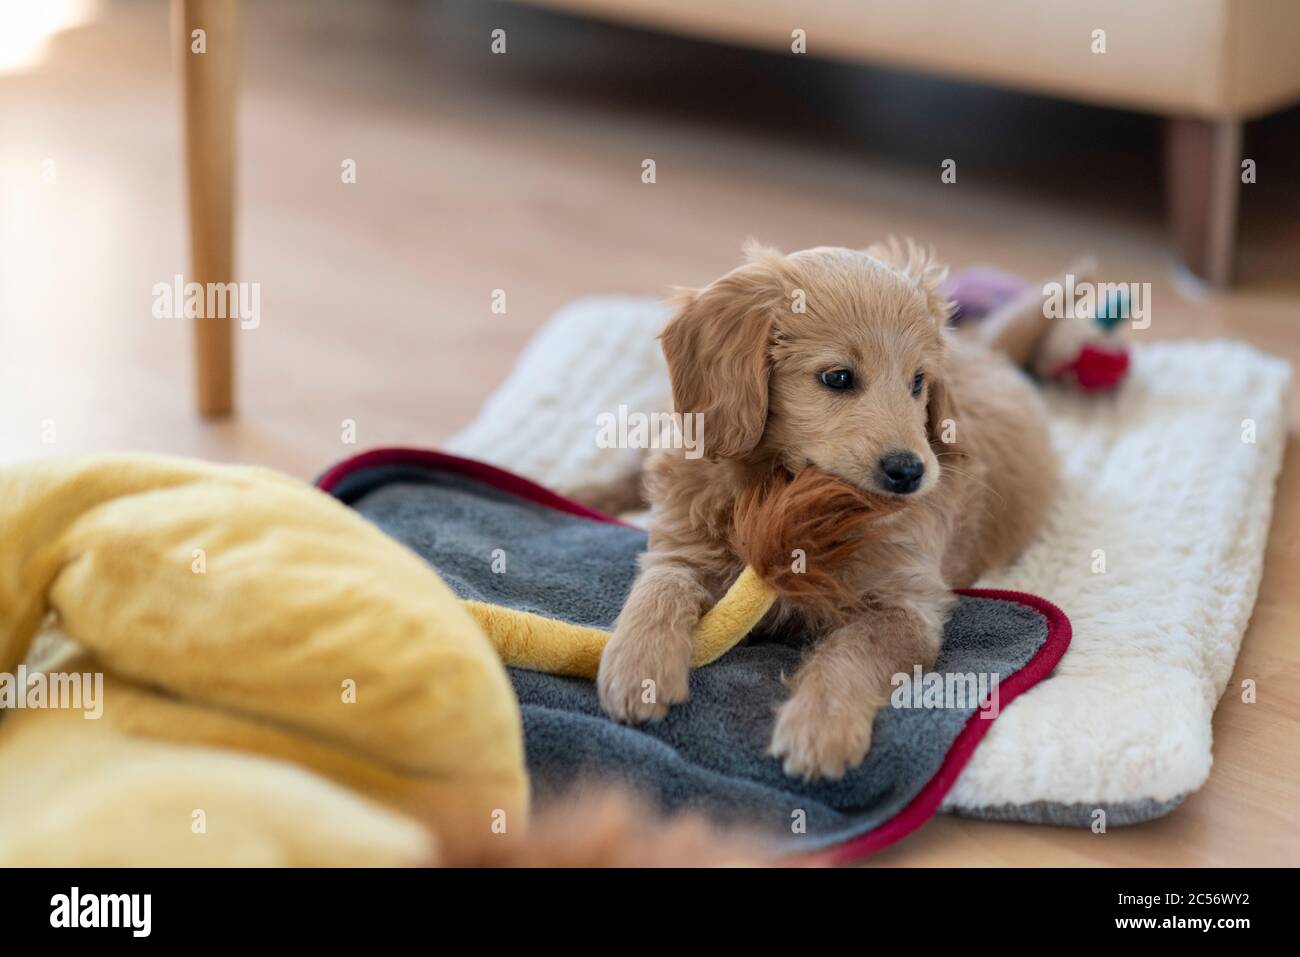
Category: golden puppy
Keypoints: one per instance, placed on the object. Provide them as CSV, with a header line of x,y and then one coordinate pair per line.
x,y
836,359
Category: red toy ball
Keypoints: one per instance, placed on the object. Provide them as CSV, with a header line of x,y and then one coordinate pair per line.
x,y
1095,369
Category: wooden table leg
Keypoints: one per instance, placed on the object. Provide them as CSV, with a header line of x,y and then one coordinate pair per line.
x,y
208,83
1203,180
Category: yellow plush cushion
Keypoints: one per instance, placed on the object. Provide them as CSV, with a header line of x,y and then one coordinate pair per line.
x,y
236,607
271,661
76,795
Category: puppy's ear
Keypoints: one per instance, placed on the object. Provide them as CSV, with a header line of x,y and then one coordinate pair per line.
x,y
717,350
918,264
944,422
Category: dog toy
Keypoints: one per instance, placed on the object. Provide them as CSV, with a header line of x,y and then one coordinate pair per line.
x,y
1082,348
1087,350
794,532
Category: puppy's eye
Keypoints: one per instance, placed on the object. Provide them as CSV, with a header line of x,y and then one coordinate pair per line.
x,y
837,379
918,383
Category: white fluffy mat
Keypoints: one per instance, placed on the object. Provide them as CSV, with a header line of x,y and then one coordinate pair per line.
x,y
1154,548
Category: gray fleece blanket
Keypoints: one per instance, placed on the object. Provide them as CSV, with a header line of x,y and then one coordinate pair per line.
x,y
708,755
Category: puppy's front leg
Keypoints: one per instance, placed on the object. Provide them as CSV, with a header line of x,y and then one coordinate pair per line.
x,y
646,665
825,726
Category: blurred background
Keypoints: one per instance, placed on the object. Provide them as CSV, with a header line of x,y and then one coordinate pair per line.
x,y
522,172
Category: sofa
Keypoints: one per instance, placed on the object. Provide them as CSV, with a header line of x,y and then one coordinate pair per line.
x,y
1207,66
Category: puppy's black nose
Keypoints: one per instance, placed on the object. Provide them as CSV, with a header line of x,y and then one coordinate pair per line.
x,y
901,472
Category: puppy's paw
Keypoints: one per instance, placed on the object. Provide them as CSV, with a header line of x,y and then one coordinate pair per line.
x,y
815,741
639,680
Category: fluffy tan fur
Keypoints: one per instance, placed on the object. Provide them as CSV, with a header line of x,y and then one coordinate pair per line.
x,y
746,352
605,828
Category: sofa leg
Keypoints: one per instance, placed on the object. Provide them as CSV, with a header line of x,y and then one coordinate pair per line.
x,y
208,92
1202,179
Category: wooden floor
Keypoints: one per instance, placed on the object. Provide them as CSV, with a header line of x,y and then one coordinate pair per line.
x,y
523,173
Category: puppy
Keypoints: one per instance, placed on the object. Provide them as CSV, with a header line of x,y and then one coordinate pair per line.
x,y
836,359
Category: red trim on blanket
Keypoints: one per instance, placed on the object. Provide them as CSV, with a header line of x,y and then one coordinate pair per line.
x,y
470,468
926,803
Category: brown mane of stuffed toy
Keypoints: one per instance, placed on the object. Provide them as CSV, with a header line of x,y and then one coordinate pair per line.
x,y
825,517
